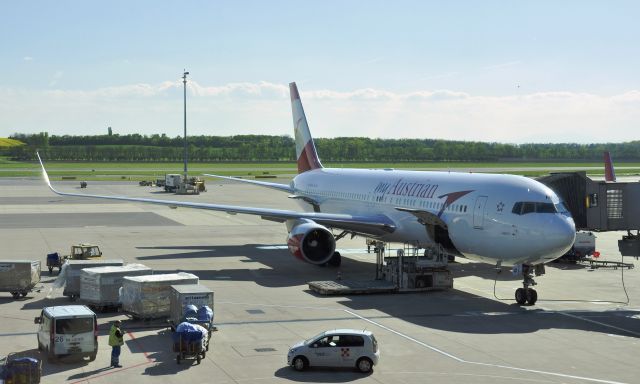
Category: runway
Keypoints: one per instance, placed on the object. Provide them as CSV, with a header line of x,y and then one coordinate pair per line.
x,y
582,330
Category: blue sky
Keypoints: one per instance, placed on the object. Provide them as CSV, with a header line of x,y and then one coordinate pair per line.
x,y
507,71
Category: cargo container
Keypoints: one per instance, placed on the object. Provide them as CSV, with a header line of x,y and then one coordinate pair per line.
x,y
99,287
183,296
19,277
69,277
147,297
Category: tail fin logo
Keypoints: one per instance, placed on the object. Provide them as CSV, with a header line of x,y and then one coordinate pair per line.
x,y
305,148
609,172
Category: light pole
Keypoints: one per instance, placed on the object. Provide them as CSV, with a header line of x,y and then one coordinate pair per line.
x,y
184,81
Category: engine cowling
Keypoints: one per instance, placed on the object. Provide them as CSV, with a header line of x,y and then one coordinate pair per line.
x,y
311,242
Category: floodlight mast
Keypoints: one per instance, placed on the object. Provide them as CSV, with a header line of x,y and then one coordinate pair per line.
x,y
184,81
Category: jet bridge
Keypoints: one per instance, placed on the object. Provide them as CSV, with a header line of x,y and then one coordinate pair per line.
x,y
601,206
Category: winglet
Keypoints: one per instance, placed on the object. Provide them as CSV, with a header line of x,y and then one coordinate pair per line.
x,y
306,154
609,172
44,173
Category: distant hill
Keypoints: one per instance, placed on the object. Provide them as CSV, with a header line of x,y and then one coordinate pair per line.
x,y
5,143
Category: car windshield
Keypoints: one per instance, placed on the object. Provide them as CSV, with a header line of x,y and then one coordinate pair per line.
x,y
314,338
74,326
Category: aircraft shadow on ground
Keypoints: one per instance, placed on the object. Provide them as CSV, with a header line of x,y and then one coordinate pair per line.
x,y
281,268
453,310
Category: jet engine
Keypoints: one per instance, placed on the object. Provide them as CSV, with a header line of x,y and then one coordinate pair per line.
x,y
311,242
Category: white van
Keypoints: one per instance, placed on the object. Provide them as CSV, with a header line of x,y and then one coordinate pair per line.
x,y
336,348
68,330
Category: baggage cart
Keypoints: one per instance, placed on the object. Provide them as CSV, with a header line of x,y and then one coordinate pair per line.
x,y
19,277
190,342
18,369
192,303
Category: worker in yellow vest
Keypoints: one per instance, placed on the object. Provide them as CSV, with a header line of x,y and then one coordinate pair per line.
x,y
116,339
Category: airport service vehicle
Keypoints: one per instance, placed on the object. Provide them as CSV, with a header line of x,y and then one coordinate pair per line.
x,y
504,220
172,182
67,330
19,277
78,252
336,348
584,246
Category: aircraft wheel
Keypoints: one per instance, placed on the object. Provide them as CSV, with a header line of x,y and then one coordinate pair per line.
x,y
521,296
532,296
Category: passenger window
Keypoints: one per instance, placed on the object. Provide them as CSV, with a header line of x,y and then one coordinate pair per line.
x,y
351,341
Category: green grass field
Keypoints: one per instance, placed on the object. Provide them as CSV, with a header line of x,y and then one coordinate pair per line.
x,y
149,171
4,142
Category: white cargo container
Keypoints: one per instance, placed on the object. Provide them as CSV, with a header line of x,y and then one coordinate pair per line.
x,y
147,297
19,276
70,274
191,294
100,286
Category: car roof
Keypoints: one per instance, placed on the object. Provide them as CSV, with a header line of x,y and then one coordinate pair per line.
x,y
69,310
348,331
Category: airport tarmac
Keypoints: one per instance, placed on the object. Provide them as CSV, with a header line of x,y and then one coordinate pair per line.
x,y
581,330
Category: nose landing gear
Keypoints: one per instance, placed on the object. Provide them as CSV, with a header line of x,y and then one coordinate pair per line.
x,y
527,295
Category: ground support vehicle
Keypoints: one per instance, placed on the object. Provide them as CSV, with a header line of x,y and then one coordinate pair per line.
x,y
19,277
172,182
584,246
78,252
67,330
54,260
18,369
190,342
336,348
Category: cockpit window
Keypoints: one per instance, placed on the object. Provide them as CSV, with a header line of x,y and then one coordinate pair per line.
x,y
524,207
562,208
528,207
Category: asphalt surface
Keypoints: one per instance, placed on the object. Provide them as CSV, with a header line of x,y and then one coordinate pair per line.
x,y
582,330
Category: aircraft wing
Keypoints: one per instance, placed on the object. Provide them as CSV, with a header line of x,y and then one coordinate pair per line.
x,y
278,186
366,224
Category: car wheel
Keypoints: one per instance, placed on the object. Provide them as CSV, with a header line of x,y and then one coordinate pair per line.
x,y
92,357
300,363
178,359
364,365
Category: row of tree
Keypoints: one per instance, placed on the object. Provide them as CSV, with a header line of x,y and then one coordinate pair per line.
x,y
157,148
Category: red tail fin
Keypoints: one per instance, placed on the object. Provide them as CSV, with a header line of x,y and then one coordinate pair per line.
x,y
305,148
609,172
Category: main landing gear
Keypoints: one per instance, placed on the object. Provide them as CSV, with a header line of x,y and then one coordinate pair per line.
x,y
527,295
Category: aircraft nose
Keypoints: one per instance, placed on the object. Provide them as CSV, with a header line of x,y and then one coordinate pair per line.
x,y
560,235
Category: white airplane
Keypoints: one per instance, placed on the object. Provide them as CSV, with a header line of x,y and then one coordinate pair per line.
x,y
504,220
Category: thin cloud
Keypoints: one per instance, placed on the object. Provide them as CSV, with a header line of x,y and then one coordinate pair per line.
x,y
27,58
503,65
263,107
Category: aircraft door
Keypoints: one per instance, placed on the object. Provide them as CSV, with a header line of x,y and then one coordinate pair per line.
x,y
478,212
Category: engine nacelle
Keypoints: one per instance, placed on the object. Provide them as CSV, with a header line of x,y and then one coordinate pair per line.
x,y
311,242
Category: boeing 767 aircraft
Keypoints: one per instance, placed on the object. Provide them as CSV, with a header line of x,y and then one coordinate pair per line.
x,y
504,220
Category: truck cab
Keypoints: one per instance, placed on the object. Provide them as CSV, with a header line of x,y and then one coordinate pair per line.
x,y
85,251
67,330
